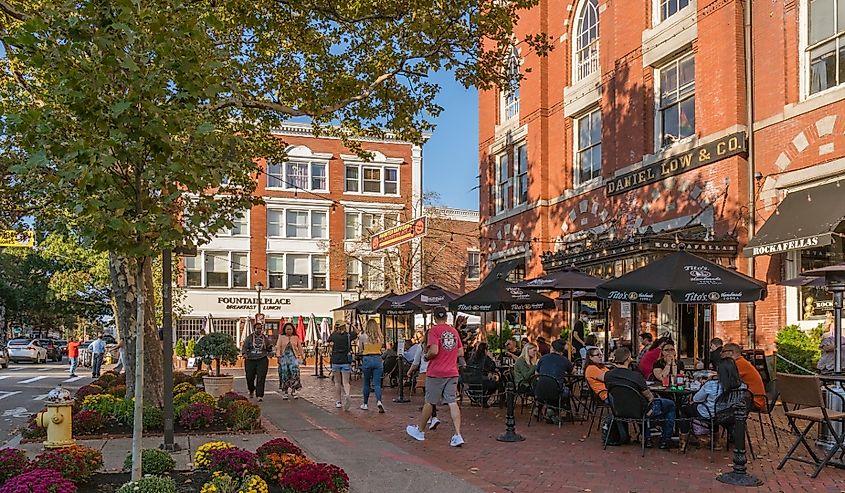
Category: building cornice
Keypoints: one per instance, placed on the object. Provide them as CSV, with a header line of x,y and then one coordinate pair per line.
x,y
299,129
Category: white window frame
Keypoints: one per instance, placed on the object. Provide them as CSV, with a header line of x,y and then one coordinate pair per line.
x,y
659,7
509,96
202,258
585,48
380,219
231,231
503,184
283,272
282,213
520,189
297,213
576,171
382,169
477,255
285,181
198,261
353,268
310,275
233,266
804,49
674,64
215,255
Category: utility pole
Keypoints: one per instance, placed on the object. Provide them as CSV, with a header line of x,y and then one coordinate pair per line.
x,y
167,330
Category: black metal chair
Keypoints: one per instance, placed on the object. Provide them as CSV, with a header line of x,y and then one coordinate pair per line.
x,y
549,393
391,370
771,398
628,405
725,416
471,386
596,408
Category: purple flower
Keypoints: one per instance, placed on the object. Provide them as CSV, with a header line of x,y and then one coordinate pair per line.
x,y
233,461
38,481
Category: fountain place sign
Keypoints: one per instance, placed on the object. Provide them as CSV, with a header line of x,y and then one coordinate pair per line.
x,y
710,152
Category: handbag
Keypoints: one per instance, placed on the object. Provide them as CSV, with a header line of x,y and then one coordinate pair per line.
x,y
349,354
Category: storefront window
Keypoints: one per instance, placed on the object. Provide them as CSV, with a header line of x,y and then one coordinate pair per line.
x,y
814,302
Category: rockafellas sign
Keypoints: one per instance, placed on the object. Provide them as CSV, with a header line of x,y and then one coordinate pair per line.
x,y
699,156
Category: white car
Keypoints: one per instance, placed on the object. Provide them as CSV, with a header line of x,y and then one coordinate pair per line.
x,y
26,350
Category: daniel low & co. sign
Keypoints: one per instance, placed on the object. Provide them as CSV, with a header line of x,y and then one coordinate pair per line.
x,y
711,152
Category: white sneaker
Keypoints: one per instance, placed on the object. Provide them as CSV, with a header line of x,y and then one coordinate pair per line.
x,y
285,396
338,405
432,423
456,441
380,407
294,395
415,432
364,407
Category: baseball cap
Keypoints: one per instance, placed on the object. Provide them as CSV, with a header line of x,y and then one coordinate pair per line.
x,y
440,312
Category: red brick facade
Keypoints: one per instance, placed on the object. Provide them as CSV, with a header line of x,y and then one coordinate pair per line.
x,y
793,132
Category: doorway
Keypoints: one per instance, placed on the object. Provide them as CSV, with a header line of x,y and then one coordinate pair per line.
x,y
693,328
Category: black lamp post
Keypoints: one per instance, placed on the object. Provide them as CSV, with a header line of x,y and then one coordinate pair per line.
x,y
259,287
359,289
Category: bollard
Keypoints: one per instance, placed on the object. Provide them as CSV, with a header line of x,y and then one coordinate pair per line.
x,y
739,476
510,434
318,362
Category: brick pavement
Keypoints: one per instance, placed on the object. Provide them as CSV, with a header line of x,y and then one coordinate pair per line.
x,y
564,459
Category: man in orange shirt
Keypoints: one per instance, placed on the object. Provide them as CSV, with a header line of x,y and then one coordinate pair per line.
x,y
73,355
747,373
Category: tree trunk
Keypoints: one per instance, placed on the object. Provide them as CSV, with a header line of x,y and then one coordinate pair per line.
x,y
122,271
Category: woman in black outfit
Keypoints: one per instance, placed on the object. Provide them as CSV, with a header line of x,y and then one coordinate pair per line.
x,y
255,350
482,370
341,340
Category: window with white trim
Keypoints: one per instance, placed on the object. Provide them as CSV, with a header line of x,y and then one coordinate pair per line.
x,y
353,273
276,271
586,60
275,223
825,44
503,180
473,265
668,8
368,271
319,270
319,225
360,225
520,195
217,269
296,224
240,270
510,95
193,271
353,226
676,105
371,180
297,175
240,226
297,271
587,147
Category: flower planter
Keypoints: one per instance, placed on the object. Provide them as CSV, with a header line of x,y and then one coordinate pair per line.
x,y
217,386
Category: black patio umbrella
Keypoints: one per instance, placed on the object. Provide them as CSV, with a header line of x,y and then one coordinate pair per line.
x,y
802,280
685,277
418,301
501,295
567,279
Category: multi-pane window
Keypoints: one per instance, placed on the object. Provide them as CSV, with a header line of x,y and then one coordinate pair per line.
x,y
588,151
193,271
319,268
372,179
503,184
353,273
240,226
510,96
587,40
297,270
240,270
297,175
360,225
676,110
473,265
275,271
297,224
669,8
826,44
372,273
217,269
520,194
353,226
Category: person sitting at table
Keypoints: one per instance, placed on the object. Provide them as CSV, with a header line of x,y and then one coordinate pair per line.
x,y
668,366
659,409
715,353
512,349
595,371
703,403
555,364
525,366
542,346
748,374
481,370
646,363
589,343
646,340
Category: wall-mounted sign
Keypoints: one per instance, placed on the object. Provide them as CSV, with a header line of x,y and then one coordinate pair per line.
x,y
231,303
17,239
247,303
711,152
399,234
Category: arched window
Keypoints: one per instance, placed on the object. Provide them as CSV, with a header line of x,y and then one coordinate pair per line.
x,y
510,95
587,39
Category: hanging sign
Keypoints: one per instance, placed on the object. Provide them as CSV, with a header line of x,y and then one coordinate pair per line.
x,y
711,152
17,239
399,234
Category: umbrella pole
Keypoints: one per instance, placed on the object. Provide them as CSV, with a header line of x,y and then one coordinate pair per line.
x,y
401,398
606,307
634,331
695,336
571,323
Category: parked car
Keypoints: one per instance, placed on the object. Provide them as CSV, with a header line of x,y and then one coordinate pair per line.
x,y
26,350
62,346
53,351
4,356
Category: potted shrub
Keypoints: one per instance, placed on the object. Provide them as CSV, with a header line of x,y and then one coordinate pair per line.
x,y
179,351
219,348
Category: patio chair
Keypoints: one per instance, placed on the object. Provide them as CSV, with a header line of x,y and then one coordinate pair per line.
x,y
628,405
471,386
525,393
725,417
596,408
391,370
550,394
771,397
805,393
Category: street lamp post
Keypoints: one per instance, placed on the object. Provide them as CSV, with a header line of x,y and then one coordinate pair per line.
x,y
259,287
359,289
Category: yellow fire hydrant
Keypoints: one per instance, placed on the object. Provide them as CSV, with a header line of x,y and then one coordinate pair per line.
x,y
57,419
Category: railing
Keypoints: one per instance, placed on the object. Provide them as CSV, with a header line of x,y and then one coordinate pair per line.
x,y
795,365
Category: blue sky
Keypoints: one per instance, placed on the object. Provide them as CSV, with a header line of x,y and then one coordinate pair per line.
x,y
450,157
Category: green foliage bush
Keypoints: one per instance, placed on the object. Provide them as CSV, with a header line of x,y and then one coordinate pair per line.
x,y
180,350
799,347
217,347
243,415
184,387
153,419
149,484
496,342
153,461
205,398
190,348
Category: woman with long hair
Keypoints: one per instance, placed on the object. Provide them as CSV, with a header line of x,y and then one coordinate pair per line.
x,y
289,351
341,362
594,372
667,366
703,404
525,366
370,343
483,371
256,349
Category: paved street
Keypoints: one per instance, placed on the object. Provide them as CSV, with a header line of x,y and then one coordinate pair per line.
x,y
24,387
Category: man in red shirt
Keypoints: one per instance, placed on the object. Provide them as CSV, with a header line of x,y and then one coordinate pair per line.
x,y
73,355
443,348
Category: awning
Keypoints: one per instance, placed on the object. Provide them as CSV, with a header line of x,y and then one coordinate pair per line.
x,y
805,219
503,268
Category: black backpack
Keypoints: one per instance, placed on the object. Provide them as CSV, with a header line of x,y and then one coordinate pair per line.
x,y
618,434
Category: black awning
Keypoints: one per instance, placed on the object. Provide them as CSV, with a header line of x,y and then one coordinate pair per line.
x,y
503,268
805,219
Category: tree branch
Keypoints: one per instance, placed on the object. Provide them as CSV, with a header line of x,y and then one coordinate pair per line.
x,y
12,12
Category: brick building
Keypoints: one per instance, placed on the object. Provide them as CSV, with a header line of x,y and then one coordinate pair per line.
x,y
307,244
631,138
451,257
